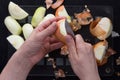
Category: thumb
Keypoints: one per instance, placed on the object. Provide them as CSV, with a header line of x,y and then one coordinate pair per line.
x,y
71,45
50,30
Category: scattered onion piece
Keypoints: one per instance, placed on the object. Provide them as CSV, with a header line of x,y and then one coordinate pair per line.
x,y
53,62
57,4
59,73
110,52
48,3
84,18
64,50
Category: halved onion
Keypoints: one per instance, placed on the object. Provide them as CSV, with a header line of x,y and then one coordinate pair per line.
x,y
27,30
16,11
101,28
64,50
12,25
15,40
100,50
61,11
38,16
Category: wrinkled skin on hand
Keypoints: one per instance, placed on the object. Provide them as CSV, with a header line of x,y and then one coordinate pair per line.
x,y
82,58
42,41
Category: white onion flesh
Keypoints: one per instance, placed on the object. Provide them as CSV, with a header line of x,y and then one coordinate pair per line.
x,y
15,40
16,11
12,25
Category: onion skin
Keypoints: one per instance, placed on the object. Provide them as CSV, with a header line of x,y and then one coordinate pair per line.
x,y
57,4
58,33
103,60
15,40
27,30
84,18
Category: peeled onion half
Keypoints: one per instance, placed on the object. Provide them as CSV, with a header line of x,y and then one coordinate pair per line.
x,y
16,11
101,28
61,11
48,3
27,30
62,30
15,40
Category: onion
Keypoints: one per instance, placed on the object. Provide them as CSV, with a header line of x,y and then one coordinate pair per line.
x,y
15,40
57,4
12,25
100,50
48,3
27,30
16,11
61,11
101,28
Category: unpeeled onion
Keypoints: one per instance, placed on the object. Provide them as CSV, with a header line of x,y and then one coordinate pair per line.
x,y
100,50
101,28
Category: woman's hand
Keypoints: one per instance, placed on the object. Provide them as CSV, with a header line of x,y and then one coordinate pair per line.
x,y
33,50
42,41
82,58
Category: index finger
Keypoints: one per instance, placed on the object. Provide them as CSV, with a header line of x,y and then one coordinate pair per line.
x,y
45,24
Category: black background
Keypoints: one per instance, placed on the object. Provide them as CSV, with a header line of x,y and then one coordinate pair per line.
x,y
3,31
